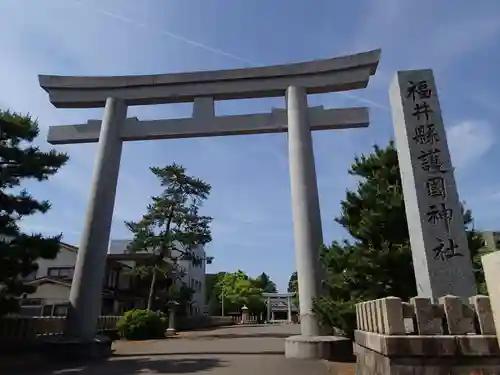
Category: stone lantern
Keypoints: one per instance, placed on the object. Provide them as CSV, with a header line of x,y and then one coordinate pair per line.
x,y
245,315
172,308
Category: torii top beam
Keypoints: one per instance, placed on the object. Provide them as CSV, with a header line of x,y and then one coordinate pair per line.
x,y
318,76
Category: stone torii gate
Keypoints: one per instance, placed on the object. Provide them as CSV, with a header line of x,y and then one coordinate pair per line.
x,y
294,81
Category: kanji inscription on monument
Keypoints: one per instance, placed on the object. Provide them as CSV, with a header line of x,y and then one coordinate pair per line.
x,y
441,256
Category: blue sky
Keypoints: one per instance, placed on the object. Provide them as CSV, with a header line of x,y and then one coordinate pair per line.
x,y
250,201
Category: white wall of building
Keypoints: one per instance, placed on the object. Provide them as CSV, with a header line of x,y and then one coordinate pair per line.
x,y
194,275
65,259
52,293
195,278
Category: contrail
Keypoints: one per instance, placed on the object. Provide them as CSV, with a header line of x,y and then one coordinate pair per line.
x,y
207,47
167,33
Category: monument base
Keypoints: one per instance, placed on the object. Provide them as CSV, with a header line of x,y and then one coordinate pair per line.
x,y
332,348
67,349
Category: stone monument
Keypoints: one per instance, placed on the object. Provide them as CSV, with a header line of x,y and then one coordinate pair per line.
x,y
440,251
116,94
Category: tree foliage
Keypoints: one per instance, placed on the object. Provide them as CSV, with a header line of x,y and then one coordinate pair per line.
x,y
21,161
213,292
293,285
378,261
265,283
183,295
172,227
239,290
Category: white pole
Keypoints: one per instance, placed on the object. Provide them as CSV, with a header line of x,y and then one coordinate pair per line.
x,y
222,302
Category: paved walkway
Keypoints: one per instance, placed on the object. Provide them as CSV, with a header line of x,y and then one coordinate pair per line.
x,y
238,350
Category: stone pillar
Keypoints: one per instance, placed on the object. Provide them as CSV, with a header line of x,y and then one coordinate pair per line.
x,y
308,235
171,330
289,304
86,288
440,250
491,266
268,317
222,303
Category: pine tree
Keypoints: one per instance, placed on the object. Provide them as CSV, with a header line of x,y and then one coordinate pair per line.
x,y
292,283
20,161
172,226
378,262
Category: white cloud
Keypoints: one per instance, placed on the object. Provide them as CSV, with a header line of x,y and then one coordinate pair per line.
x,y
469,141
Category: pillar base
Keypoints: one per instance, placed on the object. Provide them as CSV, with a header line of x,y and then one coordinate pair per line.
x,y
332,348
66,349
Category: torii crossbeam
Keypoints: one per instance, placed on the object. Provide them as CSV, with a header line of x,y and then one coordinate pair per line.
x,y
208,125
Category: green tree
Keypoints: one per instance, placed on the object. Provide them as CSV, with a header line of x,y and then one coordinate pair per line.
x,y
213,293
378,262
183,294
293,285
265,283
172,227
239,290
20,161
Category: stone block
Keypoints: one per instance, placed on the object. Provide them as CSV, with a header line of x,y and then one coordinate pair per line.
x,y
380,317
459,317
491,266
478,345
484,314
450,338
435,355
332,348
425,316
408,346
392,315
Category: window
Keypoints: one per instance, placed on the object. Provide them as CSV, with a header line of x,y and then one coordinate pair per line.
x,y
124,281
62,272
112,279
47,310
60,310
31,301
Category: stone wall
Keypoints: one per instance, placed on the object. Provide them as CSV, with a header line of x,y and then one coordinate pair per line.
x,y
420,337
199,322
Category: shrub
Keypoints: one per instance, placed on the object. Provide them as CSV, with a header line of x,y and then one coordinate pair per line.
x,y
140,324
340,315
